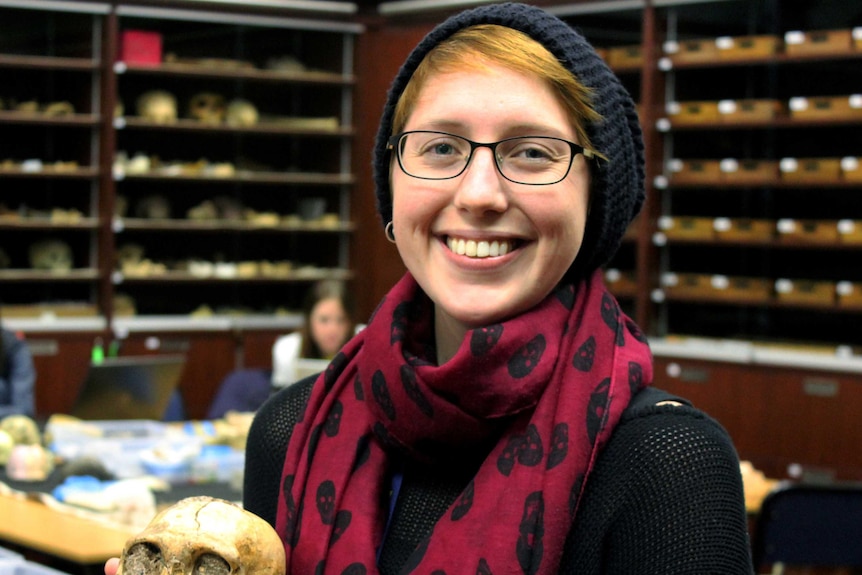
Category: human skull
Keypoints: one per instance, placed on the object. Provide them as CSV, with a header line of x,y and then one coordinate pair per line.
x,y
51,254
207,107
204,536
241,113
22,429
157,106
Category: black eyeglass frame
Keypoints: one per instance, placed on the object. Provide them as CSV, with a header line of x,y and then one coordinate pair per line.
x,y
393,144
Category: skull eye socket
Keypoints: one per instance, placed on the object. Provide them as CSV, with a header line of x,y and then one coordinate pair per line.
x,y
143,558
211,564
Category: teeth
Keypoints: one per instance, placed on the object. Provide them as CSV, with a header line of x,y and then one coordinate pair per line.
x,y
479,249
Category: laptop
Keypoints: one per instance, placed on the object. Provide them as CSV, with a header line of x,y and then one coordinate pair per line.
x,y
131,387
306,366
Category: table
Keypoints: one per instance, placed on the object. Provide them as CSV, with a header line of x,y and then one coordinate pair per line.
x,y
80,540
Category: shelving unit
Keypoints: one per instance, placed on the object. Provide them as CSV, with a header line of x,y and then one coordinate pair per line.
x,y
205,203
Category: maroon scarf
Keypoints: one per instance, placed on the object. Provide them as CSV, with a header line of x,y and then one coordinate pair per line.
x,y
554,379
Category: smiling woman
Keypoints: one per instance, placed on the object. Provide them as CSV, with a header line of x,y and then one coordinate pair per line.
x,y
496,414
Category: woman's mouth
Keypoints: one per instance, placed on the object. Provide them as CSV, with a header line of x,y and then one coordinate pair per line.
x,y
480,248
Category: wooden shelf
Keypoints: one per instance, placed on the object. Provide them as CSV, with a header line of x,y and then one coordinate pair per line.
x,y
770,303
274,128
256,75
176,225
48,173
48,63
47,224
35,118
781,122
245,177
74,275
188,278
774,59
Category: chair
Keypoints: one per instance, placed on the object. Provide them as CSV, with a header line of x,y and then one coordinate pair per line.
x,y
809,525
241,390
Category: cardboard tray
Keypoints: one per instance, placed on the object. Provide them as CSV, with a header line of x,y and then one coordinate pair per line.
x,y
696,51
693,112
751,172
805,291
694,171
743,229
799,43
750,110
810,169
807,231
686,227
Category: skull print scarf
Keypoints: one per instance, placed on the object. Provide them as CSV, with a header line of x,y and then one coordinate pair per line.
x,y
543,389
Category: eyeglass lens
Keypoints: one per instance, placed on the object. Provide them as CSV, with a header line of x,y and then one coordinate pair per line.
x,y
528,160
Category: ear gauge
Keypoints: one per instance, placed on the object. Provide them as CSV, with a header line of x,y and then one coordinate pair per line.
x,y
390,234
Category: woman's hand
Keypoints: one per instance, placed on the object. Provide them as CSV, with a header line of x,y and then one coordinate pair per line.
x,y
111,566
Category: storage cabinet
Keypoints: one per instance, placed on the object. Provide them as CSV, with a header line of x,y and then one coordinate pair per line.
x,y
761,118
50,118
167,159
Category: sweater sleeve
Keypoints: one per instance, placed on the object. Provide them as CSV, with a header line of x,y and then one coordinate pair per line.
x,y
20,379
666,498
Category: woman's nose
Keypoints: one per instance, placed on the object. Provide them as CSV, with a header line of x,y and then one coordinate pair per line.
x,y
481,188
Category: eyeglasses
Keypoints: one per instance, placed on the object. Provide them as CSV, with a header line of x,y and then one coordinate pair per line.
x,y
533,160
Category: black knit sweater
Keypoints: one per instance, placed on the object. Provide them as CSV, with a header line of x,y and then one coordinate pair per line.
x,y
665,497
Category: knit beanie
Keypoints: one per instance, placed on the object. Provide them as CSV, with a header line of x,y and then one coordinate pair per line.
x,y
618,183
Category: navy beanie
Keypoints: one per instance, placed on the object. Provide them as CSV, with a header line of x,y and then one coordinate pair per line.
x,y
618,186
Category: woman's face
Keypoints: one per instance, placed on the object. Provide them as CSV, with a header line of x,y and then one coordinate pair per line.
x,y
542,226
329,326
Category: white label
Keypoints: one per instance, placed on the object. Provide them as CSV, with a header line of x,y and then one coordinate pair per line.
x,y
856,101
849,164
675,165
788,165
785,226
794,37
846,227
721,224
726,106
665,64
613,275
844,288
783,285
729,165
673,108
798,104
671,47
724,43
669,279
719,282
665,222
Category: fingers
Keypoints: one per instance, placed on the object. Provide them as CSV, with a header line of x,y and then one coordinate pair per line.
x,y
111,565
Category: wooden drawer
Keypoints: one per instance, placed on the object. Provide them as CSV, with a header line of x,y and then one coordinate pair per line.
x,y
686,227
741,288
701,50
849,231
743,229
694,171
805,291
621,283
851,169
753,172
826,108
686,284
807,231
692,112
745,47
849,294
625,56
798,43
749,110
810,169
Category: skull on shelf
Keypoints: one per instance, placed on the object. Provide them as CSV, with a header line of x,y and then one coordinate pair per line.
x,y
51,254
153,207
204,536
157,106
207,107
241,113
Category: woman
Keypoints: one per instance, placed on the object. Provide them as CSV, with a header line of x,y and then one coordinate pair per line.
x,y
494,415
327,314
17,376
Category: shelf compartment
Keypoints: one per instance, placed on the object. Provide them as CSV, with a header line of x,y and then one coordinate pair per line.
x,y
286,128
275,178
177,225
255,75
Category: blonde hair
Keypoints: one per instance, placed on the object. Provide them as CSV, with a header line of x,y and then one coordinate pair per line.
x,y
477,47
